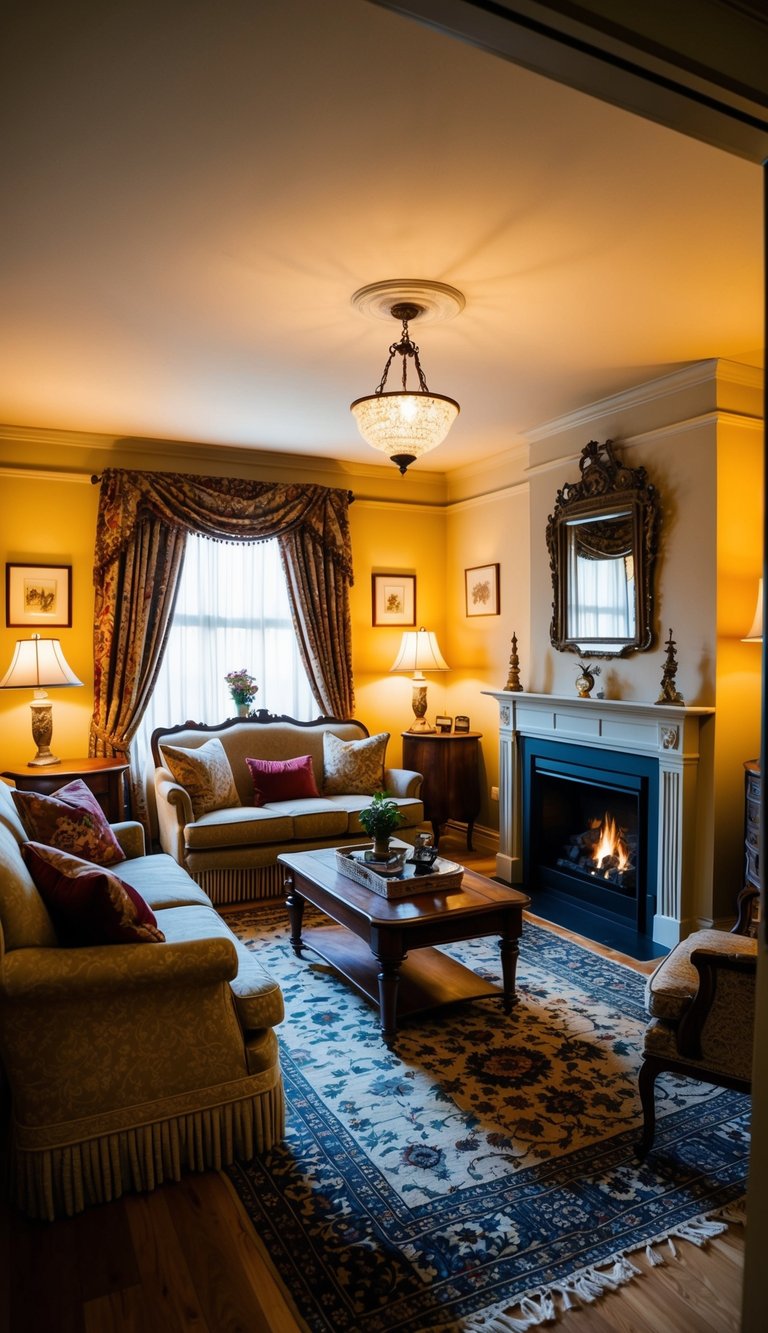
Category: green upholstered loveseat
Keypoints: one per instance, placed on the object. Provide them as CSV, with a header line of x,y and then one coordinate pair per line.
x,y
232,852
129,1063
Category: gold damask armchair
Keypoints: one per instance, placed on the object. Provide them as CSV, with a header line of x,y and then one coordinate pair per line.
x,y
701,999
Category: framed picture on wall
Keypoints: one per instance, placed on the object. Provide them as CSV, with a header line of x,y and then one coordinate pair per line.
x,y
394,599
481,590
38,595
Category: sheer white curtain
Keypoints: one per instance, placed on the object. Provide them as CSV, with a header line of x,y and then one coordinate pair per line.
x,y
232,613
606,598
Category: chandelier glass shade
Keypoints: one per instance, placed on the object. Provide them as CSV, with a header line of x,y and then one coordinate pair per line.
x,y
404,424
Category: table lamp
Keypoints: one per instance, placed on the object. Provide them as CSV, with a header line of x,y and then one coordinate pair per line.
x,y
418,653
39,664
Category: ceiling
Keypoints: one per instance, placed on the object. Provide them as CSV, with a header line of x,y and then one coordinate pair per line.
x,y
192,193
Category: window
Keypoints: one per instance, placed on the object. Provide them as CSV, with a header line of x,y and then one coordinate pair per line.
x,y
232,612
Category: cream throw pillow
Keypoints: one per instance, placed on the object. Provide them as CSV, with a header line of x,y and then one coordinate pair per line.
x,y
205,774
353,768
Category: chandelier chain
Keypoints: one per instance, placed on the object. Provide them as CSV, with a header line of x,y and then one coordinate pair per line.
x,y
404,348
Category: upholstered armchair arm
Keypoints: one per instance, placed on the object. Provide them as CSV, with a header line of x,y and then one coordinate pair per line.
x,y
403,782
68,974
720,1016
130,835
174,811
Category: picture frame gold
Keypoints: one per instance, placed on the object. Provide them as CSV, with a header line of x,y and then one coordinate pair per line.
x,y
393,598
38,596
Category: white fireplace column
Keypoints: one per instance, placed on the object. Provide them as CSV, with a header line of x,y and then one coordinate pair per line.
x,y
669,734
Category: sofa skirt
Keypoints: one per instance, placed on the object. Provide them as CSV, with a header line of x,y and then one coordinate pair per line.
x,y
63,1178
243,884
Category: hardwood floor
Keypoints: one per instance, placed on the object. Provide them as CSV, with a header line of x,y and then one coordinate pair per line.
x,y
184,1259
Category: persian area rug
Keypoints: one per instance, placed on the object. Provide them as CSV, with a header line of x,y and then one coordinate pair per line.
x,y
482,1176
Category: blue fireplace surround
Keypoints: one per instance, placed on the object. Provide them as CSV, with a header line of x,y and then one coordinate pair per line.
x,y
562,781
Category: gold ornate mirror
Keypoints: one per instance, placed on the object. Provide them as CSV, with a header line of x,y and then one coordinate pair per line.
x,y
602,546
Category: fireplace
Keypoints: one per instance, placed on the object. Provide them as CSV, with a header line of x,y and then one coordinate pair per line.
x,y
653,760
589,830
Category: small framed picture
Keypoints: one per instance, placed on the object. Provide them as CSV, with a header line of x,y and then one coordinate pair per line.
x,y
38,595
481,590
443,723
394,599
461,723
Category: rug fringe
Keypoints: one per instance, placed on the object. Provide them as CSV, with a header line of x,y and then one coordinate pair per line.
x,y
539,1307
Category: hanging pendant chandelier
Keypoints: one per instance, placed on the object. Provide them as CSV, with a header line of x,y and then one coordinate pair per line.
x,y
405,423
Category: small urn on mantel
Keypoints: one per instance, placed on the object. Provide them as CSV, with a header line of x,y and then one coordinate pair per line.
x,y
513,677
669,691
585,681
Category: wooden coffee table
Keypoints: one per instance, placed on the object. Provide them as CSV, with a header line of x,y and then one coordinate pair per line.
x,y
372,936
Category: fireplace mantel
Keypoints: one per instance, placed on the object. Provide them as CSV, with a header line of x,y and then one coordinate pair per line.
x,y
671,734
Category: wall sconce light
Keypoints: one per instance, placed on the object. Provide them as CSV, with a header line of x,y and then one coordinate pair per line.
x,y
755,632
39,664
419,652
406,423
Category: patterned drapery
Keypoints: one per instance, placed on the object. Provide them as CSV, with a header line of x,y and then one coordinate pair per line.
x,y
142,526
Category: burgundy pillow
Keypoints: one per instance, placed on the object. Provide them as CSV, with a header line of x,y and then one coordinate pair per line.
x,y
282,779
87,903
72,820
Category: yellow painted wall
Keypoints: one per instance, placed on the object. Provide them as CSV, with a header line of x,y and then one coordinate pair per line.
x,y
395,539
50,522
739,565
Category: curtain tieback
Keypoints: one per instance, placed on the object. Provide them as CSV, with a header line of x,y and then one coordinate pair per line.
x,y
109,738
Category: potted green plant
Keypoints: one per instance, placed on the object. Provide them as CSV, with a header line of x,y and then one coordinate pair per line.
x,y
379,820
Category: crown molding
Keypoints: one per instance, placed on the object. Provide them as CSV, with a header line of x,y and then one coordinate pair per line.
x,y
664,386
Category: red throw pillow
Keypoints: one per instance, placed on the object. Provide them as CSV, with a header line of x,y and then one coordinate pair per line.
x,y
282,779
87,903
72,820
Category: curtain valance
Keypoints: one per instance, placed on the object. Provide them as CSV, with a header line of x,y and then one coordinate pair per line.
x,y
224,508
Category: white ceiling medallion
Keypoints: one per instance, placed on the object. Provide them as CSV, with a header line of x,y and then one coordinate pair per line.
x,y
435,300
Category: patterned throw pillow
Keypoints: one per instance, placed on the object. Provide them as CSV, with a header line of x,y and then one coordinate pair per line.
x,y
87,903
354,768
282,779
205,774
70,819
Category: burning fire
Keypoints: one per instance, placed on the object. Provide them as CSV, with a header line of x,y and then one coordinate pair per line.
x,y
611,851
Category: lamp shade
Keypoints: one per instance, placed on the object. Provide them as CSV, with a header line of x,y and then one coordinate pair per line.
x,y
755,632
38,664
419,652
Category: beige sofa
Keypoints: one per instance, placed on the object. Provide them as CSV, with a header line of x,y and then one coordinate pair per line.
x,y
232,852
129,1063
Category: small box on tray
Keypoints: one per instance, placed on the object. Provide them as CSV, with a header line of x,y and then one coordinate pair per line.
x,y
398,877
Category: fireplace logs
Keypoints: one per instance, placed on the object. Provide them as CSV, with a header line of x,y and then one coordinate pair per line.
x,y
603,850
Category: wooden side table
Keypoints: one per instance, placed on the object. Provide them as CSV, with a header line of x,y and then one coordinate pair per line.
x,y
104,777
450,763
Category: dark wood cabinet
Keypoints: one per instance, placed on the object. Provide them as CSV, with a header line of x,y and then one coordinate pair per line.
x,y
104,777
748,901
450,764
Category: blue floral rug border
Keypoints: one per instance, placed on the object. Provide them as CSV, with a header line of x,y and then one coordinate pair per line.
x,y
364,1259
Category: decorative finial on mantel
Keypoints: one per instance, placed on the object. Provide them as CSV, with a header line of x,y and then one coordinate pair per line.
x,y
513,678
669,691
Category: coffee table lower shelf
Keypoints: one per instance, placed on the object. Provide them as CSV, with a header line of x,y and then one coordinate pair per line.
x,y
431,981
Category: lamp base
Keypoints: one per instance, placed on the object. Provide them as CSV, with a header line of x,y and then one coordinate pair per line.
x,y
420,726
42,731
